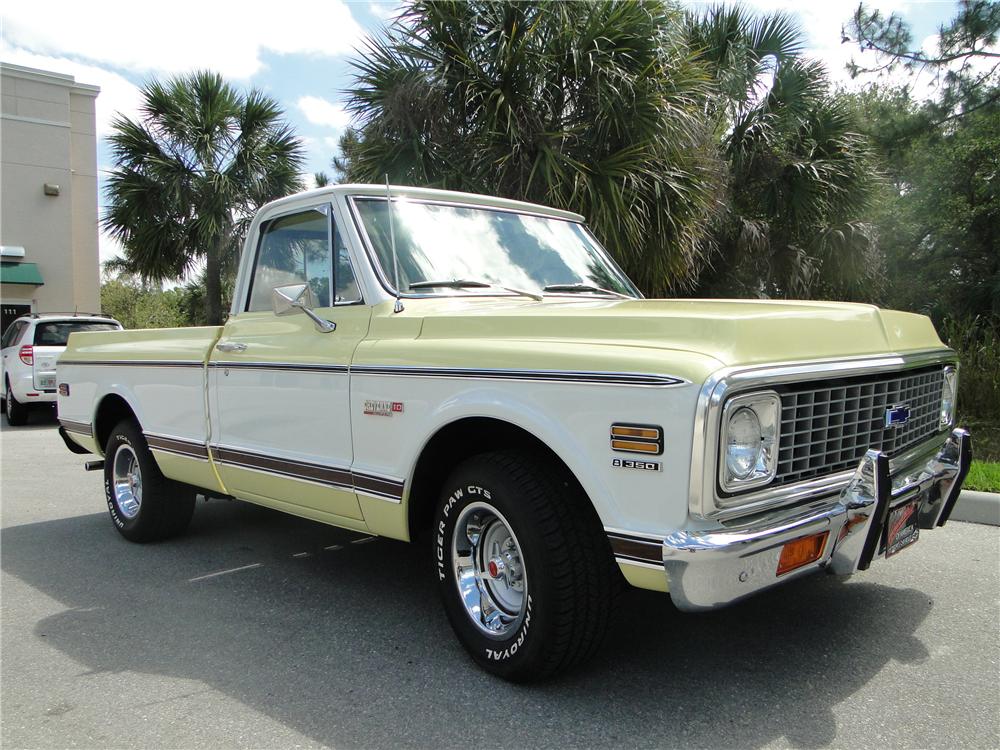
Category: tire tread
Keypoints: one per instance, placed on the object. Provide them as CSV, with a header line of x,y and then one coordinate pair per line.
x,y
580,560
16,412
167,505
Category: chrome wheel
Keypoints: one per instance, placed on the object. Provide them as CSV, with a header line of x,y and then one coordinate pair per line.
x,y
489,571
127,481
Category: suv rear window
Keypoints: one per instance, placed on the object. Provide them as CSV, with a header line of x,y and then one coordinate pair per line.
x,y
57,332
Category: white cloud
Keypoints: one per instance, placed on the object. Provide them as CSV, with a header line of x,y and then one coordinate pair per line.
x,y
117,94
930,44
329,115
822,23
108,247
923,83
384,10
324,112
189,34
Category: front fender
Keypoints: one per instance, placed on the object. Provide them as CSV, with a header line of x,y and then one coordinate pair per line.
x,y
529,415
573,420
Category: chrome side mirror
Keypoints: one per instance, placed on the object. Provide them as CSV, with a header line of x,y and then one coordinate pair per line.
x,y
299,298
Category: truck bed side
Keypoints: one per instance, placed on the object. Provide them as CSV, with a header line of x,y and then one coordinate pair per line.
x,y
158,374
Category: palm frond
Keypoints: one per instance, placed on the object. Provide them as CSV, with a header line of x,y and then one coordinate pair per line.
x,y
190,173
798,170
593,107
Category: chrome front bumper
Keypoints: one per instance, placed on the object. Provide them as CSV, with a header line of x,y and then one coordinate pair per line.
x,y
709,569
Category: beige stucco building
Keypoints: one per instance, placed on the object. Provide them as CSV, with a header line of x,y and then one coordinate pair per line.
x,y
48,193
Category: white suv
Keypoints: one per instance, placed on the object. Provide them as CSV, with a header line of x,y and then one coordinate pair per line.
x,y
31,345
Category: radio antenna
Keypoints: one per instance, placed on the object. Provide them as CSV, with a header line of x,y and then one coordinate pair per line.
x,y
398,307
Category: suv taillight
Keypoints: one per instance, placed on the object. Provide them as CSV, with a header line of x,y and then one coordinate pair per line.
x,y
27,354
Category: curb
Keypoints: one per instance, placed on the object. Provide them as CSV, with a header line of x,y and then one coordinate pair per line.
x,y
977,507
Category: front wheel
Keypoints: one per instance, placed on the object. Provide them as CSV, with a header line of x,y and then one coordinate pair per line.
x,y
524,569
144,505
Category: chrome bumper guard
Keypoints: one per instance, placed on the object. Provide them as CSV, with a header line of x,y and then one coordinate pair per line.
x,y
710,569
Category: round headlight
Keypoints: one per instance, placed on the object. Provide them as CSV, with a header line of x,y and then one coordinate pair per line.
x,y
744,443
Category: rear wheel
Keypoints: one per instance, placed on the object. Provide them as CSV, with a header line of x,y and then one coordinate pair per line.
x,y
524,569
144,505
17,413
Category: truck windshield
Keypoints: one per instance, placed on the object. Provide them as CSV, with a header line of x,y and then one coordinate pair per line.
x,y
478,250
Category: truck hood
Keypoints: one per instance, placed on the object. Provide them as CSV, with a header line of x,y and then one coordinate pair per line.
x,y
733,332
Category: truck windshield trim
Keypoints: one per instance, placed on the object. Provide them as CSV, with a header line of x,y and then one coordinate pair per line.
x,y
418,255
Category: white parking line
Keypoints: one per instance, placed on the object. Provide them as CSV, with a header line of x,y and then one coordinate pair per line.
x,y
363,541
224,572
334,547
301,554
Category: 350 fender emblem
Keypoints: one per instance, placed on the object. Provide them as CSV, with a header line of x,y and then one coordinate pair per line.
x,y
631,463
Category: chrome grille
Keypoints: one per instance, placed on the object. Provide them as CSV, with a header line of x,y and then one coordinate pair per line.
x,y
826,426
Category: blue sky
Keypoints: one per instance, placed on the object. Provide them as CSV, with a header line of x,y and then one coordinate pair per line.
x,y
297,51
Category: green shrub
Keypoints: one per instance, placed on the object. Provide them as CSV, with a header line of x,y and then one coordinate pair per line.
x,y
977,341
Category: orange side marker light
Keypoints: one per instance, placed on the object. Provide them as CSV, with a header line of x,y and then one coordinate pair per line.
x,y
799,552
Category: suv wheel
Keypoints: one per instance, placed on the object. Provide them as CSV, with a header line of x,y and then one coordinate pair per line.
x,y
144,505
17,413
524,569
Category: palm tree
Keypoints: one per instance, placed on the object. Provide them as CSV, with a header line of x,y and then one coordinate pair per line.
x,y
800,175
189,175
594,107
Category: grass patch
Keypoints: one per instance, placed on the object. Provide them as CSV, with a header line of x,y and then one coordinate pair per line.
x,y
983,476
985,437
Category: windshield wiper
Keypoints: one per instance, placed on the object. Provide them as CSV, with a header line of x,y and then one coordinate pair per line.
x,y
472,284
574,288
452,284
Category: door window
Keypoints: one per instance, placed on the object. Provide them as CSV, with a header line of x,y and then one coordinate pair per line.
x,y
12,333
11,311
295,249
347,291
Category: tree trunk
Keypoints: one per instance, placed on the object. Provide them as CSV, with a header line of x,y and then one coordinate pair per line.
x,y
213,282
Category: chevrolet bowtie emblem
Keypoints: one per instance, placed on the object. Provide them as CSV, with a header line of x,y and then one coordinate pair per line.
x,y
897,416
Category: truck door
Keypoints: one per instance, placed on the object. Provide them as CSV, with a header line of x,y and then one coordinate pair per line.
x,y
279,387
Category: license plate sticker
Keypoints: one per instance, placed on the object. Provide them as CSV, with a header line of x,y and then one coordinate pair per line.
x,y
902,528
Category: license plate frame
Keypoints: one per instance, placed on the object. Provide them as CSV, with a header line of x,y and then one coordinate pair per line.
x,y
902,529
47,381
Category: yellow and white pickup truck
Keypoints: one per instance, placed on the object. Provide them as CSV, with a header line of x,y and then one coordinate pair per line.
x,y
478,372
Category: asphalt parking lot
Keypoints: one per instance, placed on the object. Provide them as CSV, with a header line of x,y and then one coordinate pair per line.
x,y
321,637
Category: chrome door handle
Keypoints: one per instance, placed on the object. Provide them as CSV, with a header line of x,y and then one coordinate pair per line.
x,y
231,346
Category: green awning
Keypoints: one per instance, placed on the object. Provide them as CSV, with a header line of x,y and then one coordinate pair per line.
x,y
20,273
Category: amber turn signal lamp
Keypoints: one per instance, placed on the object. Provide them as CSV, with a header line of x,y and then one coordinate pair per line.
x,y
634,446
801,552
648,433
637,438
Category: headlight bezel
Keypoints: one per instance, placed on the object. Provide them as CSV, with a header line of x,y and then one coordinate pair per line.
x,y
766,407
949,385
